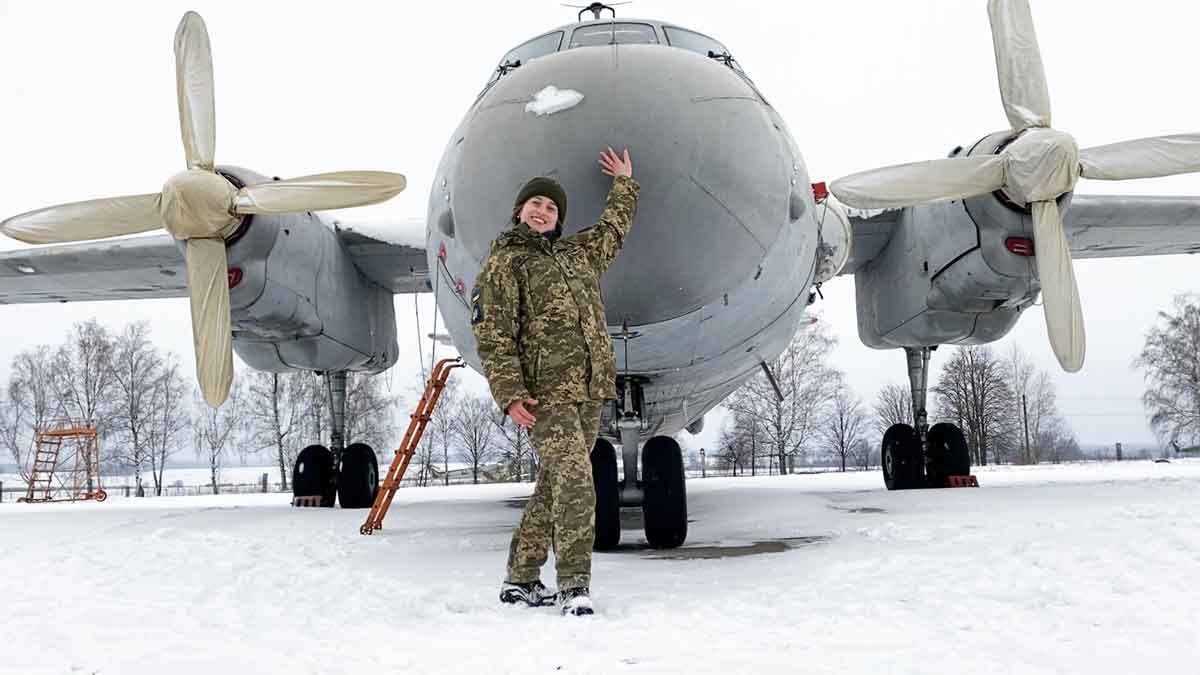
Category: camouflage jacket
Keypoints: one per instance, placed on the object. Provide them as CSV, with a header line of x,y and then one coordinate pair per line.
x,y
537,313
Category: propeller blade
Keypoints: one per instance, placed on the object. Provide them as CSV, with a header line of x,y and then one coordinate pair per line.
x,y
1019,64
339,190
194,90
1060,294
926,182
1143,158
93,219
208,286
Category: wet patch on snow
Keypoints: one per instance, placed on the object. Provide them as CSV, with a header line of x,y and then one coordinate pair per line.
x,y
858,509
781,545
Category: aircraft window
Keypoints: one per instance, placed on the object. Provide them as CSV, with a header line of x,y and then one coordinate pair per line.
x,y
693,42
539,46
613,33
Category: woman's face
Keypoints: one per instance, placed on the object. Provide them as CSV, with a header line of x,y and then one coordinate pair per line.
x,y
539,213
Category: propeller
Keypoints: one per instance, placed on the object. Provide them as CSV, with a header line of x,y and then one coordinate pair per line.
x,y
1036,168
202,208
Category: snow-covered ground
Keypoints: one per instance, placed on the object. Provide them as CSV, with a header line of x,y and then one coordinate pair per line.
x,y
1070,569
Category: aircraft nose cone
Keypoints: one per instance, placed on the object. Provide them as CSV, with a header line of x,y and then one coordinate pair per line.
x,y
713,167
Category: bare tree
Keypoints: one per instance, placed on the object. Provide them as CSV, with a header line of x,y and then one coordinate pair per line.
x,y
168,419
440,432
274,413
31,403
474,429
515,446
846,421
215,428
893,405
136,367
369,412
973,391
738,441
785,425
83,377
1171,361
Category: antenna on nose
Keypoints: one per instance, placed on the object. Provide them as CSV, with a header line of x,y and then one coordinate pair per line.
x,y
596,8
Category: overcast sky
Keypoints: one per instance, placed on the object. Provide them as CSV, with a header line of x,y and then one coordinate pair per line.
x,y
88,110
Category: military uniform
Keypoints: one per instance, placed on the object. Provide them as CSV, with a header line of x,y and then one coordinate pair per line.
x,y
539,322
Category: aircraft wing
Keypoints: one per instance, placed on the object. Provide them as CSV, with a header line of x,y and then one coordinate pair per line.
x,y
152,266
390,255
1111,226
119,269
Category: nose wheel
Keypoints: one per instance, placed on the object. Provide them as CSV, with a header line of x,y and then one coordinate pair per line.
x,y
608,496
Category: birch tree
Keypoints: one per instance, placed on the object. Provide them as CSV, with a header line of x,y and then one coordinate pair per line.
x,y
83,378
1170,360
168,418
215,430
845,423
274,414
136,368
475,430
973,392
785,426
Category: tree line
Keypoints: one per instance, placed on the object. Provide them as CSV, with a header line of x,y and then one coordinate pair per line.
x,y
809,415
146,411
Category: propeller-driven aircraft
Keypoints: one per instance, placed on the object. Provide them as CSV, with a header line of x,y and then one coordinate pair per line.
x,y
730,237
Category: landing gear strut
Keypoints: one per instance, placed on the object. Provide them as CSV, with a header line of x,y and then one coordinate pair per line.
x,y
660,491
916,456
351,473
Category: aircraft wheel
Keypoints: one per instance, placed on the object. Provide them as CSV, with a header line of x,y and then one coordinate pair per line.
x,y
608,496
312,474
948,454
664,502
902,461
101,495
358,477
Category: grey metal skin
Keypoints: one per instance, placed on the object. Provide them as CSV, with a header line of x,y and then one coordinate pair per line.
x,y
714,276
945,275
302,304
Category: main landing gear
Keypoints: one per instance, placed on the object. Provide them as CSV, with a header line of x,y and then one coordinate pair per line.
x,y
350,473
923,456
661,492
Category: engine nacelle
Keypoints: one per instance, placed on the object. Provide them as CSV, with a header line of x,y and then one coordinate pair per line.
x,y
298,302
836,237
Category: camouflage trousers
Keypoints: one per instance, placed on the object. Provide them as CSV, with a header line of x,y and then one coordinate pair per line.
x,y
562,511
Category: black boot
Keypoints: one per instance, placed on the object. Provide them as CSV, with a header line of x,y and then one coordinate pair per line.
x,y
575,601
532,593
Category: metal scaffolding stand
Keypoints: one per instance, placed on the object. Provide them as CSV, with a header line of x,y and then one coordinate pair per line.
x,y
66,464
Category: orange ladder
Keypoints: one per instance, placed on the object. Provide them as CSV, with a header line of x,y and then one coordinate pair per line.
x,y
408,446
75,471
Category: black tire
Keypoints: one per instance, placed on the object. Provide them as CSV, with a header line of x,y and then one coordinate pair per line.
x,y
664,500
313,473
948,454
608,496
903,464
358,477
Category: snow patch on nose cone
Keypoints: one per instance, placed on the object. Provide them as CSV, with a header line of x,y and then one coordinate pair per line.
x,y
552,99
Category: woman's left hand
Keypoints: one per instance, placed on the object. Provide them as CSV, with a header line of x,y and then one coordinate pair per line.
x,y
615,165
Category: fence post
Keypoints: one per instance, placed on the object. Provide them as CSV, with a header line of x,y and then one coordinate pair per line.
x,y
264,482
1,491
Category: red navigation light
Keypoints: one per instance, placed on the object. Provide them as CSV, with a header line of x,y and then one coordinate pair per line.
x,y
442,251
235,276
820,191
1022,246
460,286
